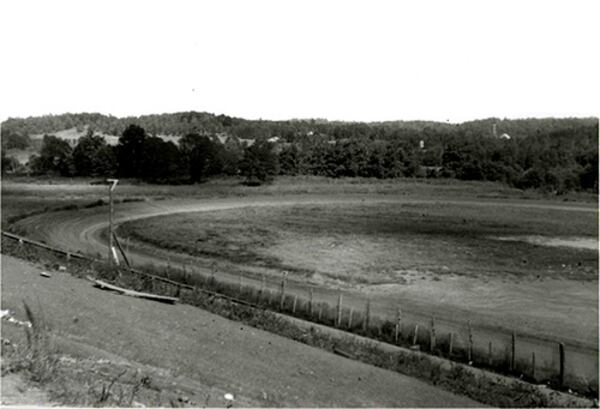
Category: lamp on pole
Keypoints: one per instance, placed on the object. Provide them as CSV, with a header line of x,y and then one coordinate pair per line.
x,y
112,185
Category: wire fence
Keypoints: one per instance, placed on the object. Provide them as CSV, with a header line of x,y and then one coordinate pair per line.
x,y
533,360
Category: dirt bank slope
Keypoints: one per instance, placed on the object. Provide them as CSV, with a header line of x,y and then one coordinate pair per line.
x,y
259,368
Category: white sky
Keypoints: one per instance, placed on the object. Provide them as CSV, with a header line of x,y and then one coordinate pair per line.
x,y
368,60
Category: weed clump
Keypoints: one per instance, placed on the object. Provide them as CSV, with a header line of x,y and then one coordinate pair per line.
x,y
38,360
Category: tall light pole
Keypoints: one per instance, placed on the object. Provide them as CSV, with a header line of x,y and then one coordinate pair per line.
x,y
111,187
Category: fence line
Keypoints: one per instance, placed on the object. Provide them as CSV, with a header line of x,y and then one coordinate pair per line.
x,y
179,285
45,246
367,326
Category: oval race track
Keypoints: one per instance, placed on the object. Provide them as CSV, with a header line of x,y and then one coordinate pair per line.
x,y
80,231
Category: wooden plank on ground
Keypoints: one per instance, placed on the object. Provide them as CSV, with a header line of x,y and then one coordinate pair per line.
x,y
153,297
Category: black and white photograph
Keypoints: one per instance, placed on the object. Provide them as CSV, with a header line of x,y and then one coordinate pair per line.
x,y
299,203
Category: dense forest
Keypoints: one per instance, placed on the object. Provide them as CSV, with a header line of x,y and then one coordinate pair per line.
x,y
556,155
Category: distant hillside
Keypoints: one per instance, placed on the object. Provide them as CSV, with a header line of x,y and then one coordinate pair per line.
x,y
557,155
554,154
179,124
72,135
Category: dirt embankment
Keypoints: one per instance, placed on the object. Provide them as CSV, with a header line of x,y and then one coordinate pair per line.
x,y
201,355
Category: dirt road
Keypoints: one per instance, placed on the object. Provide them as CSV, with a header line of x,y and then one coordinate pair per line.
x,y
541,312
210,353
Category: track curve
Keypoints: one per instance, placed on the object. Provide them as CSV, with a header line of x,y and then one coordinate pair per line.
x,y
80,231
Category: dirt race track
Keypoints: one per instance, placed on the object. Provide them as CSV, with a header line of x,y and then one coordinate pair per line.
x,y
203,354
543,313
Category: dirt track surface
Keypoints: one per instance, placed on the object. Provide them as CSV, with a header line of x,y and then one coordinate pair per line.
x,y
540,312
206,353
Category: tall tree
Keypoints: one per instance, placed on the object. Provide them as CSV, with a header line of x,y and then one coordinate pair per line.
x,y
55,157
130,151
160,161
201,155
9,164
260,163
232,154
93,157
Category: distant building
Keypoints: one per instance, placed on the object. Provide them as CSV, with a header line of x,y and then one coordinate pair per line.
x,y
221,137
246,142
495,133
430,171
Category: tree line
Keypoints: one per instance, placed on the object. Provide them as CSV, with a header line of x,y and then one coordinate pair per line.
x,y
145,157
552,154
182,123
558,161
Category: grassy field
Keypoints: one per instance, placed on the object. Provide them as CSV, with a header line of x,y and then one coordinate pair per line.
x,y
364,244
382,243
22,196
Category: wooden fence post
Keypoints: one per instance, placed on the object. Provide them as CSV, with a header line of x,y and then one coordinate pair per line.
x,y
416,335
294,304
320,311
262,288
282,299
513,341
350,317
367,314
398,326
240,285
561,373
338,318
470,346
450,343
432,335
490,354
